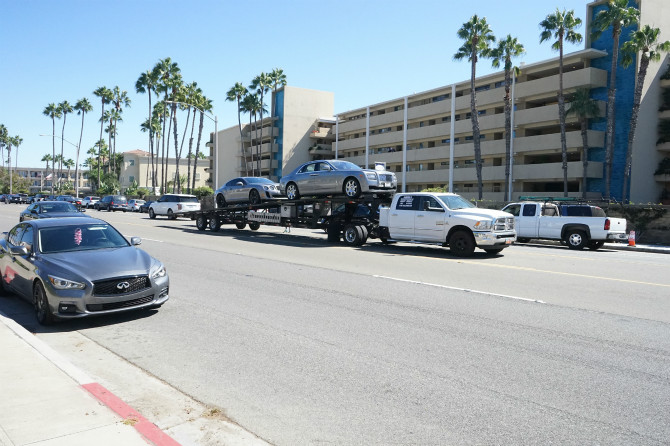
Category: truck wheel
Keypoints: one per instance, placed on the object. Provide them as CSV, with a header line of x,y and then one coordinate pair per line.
x,y
353,235
462,244
220,201
214,224
593,245
292,192
333,231
351,188
240,225
201,222
576,239
152,213
364,234
254,225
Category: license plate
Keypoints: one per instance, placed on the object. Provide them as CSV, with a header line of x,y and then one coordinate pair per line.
x,y
508,241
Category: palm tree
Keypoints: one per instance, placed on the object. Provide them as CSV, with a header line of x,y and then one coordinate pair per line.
x,y
584,108
261,84
194,98
106,96
47,158
644,42
82,106
120,99
278,79
205,106
4,135
68,163
477,36
52,111
146,83
561,25
65,108
165,70
235,94
617,16
247,105
16,142
505,50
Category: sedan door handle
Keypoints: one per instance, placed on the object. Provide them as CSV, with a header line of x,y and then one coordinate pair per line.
x,y
313,174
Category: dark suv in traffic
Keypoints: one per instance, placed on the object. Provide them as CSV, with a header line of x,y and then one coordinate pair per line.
x,y
112,203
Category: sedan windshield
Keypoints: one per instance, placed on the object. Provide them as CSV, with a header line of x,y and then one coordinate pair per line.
x,y
344,165
454,202
58,207
79,238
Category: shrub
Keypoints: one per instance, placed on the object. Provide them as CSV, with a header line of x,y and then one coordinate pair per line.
x,y
202,192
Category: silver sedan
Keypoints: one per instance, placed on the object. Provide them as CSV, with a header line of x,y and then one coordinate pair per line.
x,y
251,190
336,177
77,267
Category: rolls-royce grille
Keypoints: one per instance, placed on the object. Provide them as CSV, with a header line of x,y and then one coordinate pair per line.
x,y
385,177
116,305
123,285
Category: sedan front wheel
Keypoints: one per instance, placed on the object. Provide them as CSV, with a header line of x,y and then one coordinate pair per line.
x,y
41,302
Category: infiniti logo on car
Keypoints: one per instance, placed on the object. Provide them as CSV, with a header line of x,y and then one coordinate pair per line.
x,y
123,285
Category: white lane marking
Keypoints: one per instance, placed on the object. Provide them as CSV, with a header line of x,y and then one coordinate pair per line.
x,y
467,290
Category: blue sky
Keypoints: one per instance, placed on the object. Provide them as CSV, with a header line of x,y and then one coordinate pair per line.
x,y
364,51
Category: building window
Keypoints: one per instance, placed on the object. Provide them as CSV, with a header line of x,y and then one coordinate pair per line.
x,y
131,179
131,162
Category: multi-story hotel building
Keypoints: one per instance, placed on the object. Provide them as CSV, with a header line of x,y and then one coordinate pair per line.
x,y
426,137
136,168
41,179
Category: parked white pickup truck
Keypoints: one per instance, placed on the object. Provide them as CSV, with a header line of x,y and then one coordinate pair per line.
x,y
577,225
448,219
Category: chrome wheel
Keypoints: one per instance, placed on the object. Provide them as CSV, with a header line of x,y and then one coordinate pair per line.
x,y
254,197
42,310
292,191
352,188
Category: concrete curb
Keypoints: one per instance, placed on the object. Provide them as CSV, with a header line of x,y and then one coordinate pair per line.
x,y
149,431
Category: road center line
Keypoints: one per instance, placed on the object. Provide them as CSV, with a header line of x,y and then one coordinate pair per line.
x,y
467,290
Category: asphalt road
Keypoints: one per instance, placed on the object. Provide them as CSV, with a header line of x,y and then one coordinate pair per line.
x,y
304,342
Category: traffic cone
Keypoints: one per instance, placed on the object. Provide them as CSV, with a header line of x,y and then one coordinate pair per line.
x,y
631,238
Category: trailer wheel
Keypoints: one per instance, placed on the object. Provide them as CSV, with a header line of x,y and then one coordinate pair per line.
x,y
201,222
351,188
220,201
334,229
292,192
240,225
353,235
254,225
254,197
214,224
462,244
576,239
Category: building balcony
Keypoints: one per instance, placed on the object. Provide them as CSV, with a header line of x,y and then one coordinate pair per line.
x,y
663,147
252,150
352,143
266,164
586,77
439,176
321,150
554,171
662,178
395,118
664,83
665,114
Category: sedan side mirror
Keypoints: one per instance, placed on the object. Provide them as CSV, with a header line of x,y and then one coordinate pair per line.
x,y
135,241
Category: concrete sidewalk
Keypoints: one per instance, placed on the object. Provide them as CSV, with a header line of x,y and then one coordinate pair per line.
x,y
45,399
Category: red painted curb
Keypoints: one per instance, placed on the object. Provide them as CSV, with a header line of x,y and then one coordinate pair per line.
x,y
149,431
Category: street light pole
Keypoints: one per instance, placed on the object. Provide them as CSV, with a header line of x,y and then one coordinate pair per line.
x,y
216,137
76,179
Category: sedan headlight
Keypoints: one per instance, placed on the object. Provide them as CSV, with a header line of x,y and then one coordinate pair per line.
x,y
483,225
64,284
371,176
160,272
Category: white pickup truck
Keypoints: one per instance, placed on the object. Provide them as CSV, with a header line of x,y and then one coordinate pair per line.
x,y
577,225
448,219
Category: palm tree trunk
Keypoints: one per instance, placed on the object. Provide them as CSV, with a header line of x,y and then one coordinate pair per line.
x,y
585,154
251,149
474,117
508,130
176,183
190,153
165,117
239,123
151,145
260,141
62,141
181,150
637,97
561,118
102,123
611,97
53,141
76,166
197,147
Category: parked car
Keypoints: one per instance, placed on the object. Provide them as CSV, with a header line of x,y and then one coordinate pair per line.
x,y
50,209
145,207
89,201
134,205
69,199
72,268
112,203
173,205
38,197
24,198
252,190
13,198
336,177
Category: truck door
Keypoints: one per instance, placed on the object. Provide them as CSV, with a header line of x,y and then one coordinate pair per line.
x,y
401,220
528,221
429,220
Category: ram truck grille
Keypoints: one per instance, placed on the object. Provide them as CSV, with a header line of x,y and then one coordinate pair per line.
x,y
504,224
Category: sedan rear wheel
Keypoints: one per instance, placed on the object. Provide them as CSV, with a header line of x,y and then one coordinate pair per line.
x,y
292,192
220,201
171,215
42,309
351,188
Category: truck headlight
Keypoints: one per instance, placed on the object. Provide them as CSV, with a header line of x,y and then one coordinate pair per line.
x,y
64,284
483,225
